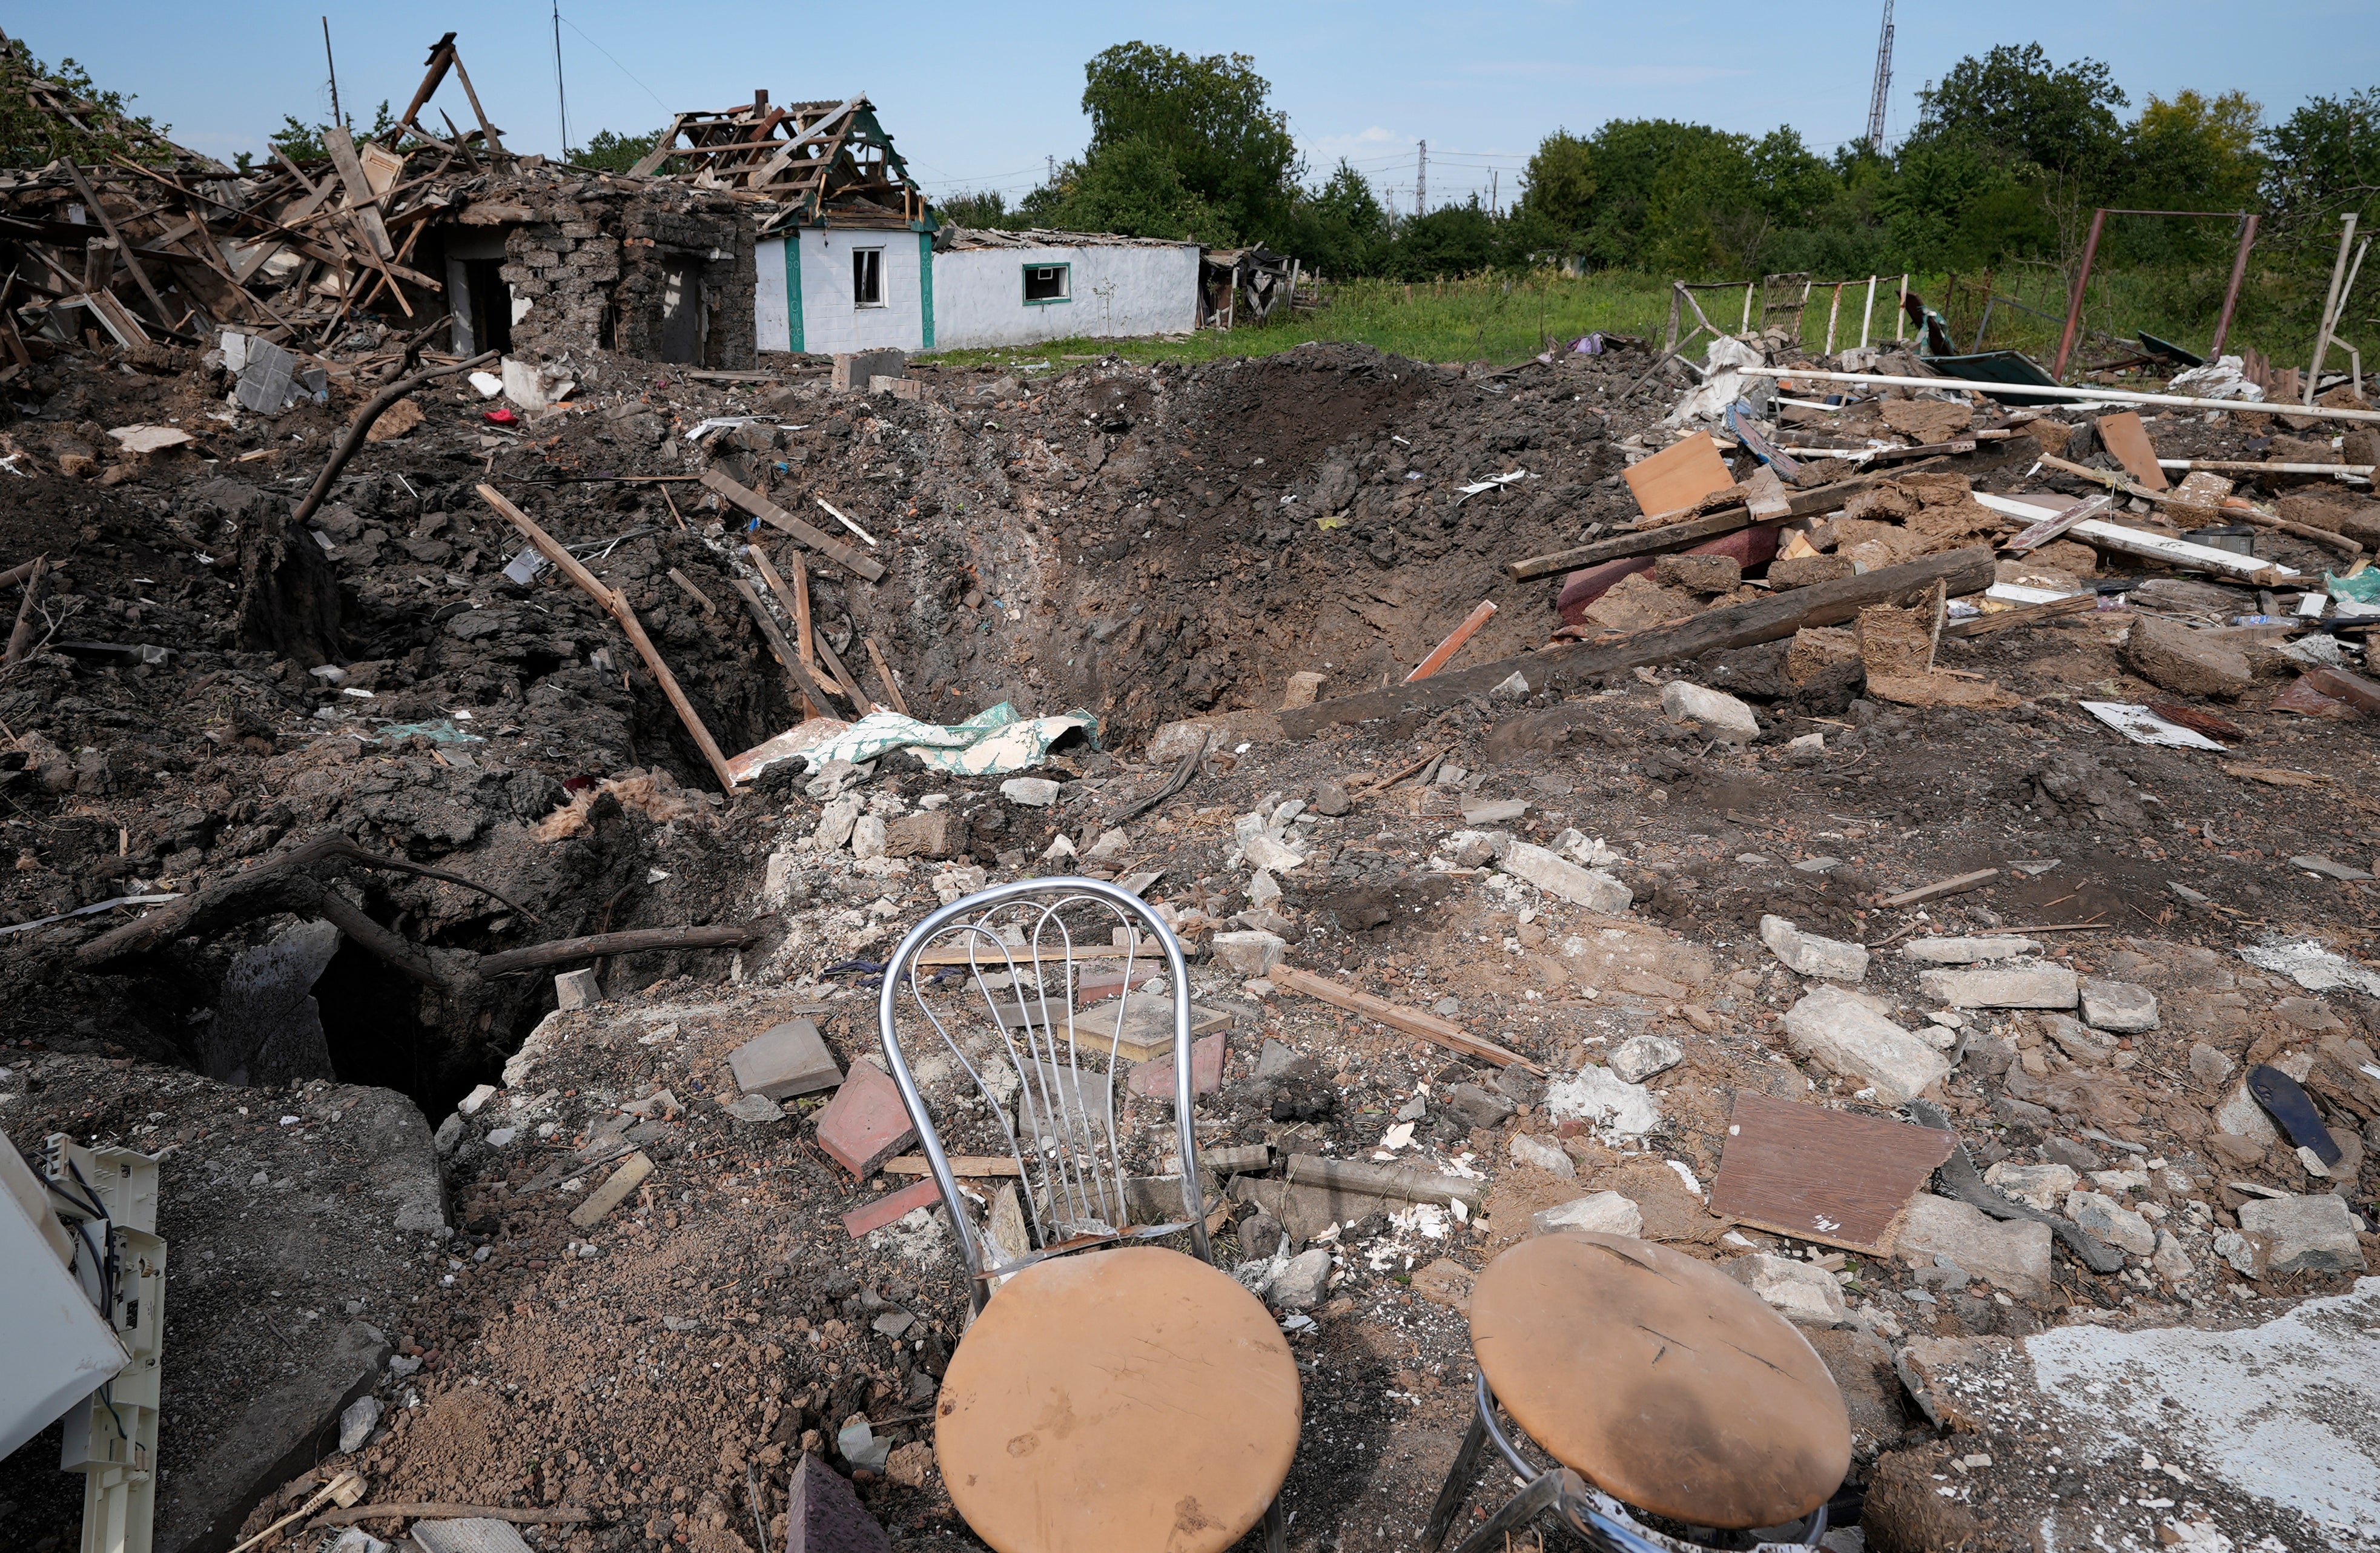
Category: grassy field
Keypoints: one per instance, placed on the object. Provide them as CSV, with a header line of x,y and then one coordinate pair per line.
x,y
1504,320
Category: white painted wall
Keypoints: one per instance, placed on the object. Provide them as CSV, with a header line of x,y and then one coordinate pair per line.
x,y
1117,293
771,308
832,324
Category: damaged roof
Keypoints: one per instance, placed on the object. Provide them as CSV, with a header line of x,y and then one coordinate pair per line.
x,y
829,164
1038,238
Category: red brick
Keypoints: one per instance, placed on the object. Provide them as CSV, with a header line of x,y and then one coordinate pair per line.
x,y
1154,1080
1108,982
874,1216
866,1124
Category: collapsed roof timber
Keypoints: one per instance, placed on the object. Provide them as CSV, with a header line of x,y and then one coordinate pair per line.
x,y
746,229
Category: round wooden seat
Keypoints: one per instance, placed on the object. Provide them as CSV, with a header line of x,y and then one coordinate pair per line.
x,y
1115,1400
1662,1380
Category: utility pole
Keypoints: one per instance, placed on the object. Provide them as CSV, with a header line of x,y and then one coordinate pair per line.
x,y
1050,163
561,103
335,73
1492,208
1421,180
1883,84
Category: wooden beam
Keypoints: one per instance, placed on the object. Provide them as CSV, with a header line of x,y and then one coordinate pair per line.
x,y
131,261
805,689
798,606
342,147
1682,536
768,511
1570,663
617,608
884,672
1396,1016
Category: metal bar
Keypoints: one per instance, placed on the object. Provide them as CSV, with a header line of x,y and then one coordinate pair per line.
x,y
2074,303
1457,1486
2062,391
1868,313
2231,291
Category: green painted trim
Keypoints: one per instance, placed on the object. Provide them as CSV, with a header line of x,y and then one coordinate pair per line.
x,y
925,286
1049,301
793,291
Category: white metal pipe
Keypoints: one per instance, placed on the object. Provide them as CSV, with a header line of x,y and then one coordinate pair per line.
x,y
2242,466
2060,391
1868,313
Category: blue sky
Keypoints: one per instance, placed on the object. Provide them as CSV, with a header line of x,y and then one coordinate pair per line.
x,y
980,96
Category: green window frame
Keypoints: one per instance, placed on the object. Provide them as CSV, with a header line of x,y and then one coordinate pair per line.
x,y
1065,278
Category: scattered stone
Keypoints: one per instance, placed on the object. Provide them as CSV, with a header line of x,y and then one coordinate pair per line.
x,y
1842,1031
1591,888
470,1104
1034,793
1261,850
938,832
1530,1149
2041,1186
755,1109
2208,1066
357,1424
869,836
1273,1060
1601,1099
836,817
1301,1284
1606,1213
1713,712
1174,743
2183,660
1805,1295
2315,863
791,1059
1263,889
2102,1217
1698,574
577,989
1444,1282
1330,800
1808,954
1966,952
1251,952
823,1513
912,1463
2241,1117
2171,1262
2118,1006
1640,1057
1261,1235
2013,1254
2081,1043
2027,987
1494,811
1478,1106
1303,690
2308,1234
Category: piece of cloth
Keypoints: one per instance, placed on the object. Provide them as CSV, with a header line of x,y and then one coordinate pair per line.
x,y
994,742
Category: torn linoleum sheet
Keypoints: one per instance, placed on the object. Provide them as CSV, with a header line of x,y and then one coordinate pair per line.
x,y
1721,386
2144,726
994,742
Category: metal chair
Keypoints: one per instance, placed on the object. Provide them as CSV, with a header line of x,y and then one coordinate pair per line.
x,y
1653,1381
1117,1394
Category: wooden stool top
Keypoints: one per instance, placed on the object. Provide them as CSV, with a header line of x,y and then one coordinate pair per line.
x,y
1114,1400
1661,1379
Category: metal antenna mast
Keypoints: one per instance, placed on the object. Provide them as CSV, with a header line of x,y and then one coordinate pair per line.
x,y
1421,181
1883,84
561,103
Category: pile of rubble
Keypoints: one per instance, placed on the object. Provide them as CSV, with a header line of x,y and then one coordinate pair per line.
x,y
1798,799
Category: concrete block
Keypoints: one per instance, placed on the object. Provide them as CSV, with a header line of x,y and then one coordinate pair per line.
x,y
1808,954
1605,1213
1966,951
2025,986
938,832
1252,953
1591,888
577,989
791,1059
898,387
1154,1080
854,372
1841,1031
1528,1148
1804,1294
1303,690
2118,1006
1715,712
2308,1234
2013,1254
1037,793
866,1124
2103,1217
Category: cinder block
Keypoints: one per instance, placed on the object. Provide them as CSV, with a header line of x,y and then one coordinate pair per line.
x,y
866,1124
577,989
899,388
790,1059
856,370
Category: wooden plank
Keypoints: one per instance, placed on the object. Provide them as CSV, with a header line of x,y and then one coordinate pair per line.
x,y
1829,1176
968,1166
1957,885
768,511
1680,536
342,147
2050,528
1680,475
2027,614
2124,436
797,605
2031,508
1454,640
131,261
1413,1022
1570,663
884,672
805,689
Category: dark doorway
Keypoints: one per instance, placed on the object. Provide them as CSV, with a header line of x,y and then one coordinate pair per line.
x,y
683,323
491,304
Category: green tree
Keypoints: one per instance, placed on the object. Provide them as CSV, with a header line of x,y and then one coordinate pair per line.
x,y
302,142
1789,184
1338,229
1209,120
107,126
2017,107
2193,152
1131,187
2322,159
1450,240
1558,188
982,209
612,152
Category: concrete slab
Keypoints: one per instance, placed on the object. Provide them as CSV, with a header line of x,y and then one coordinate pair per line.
x,y
791,1059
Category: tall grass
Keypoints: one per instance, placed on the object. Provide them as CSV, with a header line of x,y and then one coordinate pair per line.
x,y
1507,319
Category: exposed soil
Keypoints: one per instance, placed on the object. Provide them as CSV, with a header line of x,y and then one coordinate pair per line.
x,y
1149,545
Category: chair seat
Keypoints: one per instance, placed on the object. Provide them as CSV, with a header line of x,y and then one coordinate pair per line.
x,y
1661,1379
1115,1400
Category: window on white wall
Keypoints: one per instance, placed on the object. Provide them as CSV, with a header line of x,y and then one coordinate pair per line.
x,y
1047,282
868,277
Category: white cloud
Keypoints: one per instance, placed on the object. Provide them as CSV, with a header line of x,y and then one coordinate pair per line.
x,y
1368,143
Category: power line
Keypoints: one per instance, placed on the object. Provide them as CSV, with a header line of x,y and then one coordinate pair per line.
x,y
617,66
561,104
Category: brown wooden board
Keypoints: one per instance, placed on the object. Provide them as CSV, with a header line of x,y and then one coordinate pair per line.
x,y
1680,475
1828,1176
759,506
2129,440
